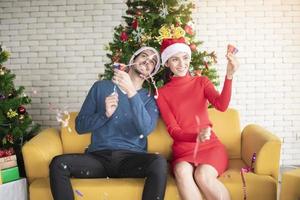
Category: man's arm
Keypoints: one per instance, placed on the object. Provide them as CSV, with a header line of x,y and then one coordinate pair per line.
x,y
145,115
88,118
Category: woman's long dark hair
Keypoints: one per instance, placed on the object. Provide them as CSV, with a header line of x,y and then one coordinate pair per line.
x,y
166,75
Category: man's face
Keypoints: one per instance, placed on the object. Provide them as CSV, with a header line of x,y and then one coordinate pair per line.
x,y
145,62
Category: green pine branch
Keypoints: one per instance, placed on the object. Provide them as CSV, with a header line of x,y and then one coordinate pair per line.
x,y
16,125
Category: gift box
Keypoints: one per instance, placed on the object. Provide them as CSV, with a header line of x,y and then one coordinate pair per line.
x,y
8,158
8,162
15,190
9,174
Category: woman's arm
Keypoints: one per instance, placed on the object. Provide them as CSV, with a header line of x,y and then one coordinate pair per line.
x,y
173,128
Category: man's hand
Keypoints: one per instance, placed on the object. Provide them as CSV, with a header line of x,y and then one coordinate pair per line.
x,y
204,134
111,104
122,79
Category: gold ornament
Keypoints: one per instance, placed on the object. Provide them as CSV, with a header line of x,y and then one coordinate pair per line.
x,y
171,32
11,113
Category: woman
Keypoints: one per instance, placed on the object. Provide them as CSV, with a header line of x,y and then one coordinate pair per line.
x,y
183,106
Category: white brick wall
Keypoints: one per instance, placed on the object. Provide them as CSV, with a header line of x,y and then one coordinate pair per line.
x,y
57,50
266,87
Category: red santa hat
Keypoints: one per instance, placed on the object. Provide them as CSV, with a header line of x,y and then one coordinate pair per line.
x,y
171,46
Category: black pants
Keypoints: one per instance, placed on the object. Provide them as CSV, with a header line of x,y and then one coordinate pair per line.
x,y
108,163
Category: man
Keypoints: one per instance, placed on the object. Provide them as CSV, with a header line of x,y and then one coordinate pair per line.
x,y
119,114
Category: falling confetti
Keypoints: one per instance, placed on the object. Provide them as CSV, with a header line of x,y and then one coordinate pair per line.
x,y
156,90
244,184
64,166
78,193
197,142
247,170
34,91
62,116
153,82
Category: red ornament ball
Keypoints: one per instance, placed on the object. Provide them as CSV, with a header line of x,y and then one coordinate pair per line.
x,y
189,30
138,13
135,24
21,110
124,36
193,47
9,152
2,153
9,138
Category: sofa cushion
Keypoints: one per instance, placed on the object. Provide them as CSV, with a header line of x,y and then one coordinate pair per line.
x,y
226,125
258,187
103,189
73,142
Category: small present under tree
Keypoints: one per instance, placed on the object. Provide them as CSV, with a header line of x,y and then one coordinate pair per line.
x,y
16,125
147,23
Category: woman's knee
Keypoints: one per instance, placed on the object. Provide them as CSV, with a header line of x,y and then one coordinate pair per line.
x,y
182,171
204,176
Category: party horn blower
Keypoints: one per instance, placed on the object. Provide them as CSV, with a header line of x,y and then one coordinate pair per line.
x,y
121,66
232,49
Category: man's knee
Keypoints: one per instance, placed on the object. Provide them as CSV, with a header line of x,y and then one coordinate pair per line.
x,y
159,165
58,163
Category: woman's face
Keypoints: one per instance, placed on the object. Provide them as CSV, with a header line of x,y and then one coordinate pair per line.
x,y
179,64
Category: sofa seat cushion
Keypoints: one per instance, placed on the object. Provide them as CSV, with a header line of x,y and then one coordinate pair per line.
x,y
259,187
104,189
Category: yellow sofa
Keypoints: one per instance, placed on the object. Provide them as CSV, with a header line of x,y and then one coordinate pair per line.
x,y
261,185
290,184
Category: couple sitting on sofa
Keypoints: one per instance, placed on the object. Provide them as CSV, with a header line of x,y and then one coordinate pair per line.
x,y
120,114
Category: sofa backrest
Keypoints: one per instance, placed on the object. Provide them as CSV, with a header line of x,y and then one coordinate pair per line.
x,y
225,124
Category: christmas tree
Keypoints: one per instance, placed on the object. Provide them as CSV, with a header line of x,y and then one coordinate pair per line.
x,y
16,125
147,23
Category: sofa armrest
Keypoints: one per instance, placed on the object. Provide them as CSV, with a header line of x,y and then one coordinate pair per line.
x,y
39,151
266,145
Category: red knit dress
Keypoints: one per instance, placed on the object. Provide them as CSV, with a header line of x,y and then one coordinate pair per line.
x,y
183,106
